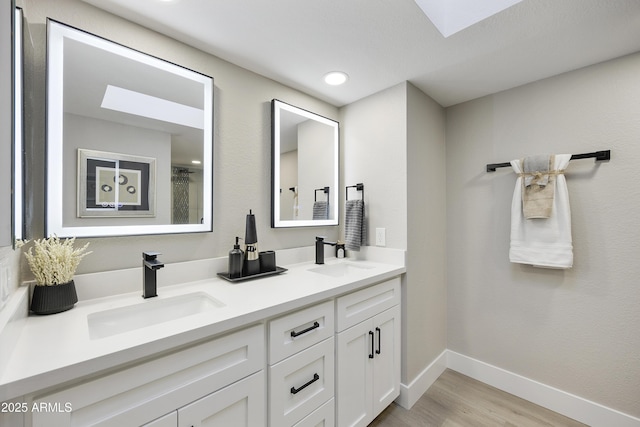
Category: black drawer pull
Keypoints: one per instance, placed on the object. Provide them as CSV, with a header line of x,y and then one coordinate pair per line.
x,y
379,334
294,390
371,336
304,331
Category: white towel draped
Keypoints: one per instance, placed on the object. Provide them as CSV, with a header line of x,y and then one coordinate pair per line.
x,y
543,242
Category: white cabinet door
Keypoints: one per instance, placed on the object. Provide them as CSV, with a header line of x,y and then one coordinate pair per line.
x,y
386,361
354,395
368,368
241,404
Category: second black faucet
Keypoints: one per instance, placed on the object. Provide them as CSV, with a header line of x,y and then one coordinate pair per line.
x,y
320,249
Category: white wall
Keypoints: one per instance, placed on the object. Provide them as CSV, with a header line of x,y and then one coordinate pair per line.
x,y
374,137
577,329
394,143
313,158
288,179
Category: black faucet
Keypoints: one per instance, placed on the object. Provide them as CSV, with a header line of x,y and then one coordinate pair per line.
x,y
320,249
150,265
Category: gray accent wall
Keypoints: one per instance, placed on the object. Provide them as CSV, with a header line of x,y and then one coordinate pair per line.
x,y
577,329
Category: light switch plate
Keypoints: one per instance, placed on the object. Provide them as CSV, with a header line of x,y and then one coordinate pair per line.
x,y
381,236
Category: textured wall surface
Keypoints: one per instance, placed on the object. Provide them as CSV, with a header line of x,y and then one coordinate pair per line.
x,y
242,146
375,154
426,291
577,329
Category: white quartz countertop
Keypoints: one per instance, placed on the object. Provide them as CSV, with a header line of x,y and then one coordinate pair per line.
x,y
58,348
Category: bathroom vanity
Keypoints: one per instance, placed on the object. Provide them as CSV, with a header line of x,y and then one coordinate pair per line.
x,y
319,345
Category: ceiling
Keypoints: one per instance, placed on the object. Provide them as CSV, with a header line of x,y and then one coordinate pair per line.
x,y
380,43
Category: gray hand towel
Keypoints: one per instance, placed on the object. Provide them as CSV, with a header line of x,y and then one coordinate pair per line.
x,y
354,224
538,186
321,210
536,164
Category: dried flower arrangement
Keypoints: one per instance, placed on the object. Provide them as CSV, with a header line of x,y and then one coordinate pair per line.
x,y
54,261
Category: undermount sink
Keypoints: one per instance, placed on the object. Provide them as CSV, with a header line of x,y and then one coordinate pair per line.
x,y
148,313
339,270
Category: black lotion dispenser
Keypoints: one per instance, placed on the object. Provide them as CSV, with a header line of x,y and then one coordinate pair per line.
x,y
251,259
236,258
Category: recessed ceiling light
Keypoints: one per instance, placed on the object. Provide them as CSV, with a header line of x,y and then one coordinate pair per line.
x,y
335,78
196,162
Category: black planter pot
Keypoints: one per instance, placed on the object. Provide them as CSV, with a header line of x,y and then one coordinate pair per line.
x,y
53,299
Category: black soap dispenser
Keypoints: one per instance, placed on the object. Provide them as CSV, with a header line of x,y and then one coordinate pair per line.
x,y
251,259
236,258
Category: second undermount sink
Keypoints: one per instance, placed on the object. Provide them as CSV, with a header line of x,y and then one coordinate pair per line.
x,y
341,269
148,313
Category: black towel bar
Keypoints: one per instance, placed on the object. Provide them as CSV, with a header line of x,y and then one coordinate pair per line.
x,y
598,155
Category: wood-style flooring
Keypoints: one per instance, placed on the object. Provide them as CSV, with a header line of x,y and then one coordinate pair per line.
x,y
456,400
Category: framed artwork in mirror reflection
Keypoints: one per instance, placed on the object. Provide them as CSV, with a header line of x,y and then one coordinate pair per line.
x,y
115,185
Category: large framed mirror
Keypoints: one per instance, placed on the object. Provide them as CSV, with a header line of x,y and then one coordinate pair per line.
x,y
18,128
305,165
129,140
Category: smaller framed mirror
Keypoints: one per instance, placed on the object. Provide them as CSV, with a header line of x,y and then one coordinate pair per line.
x,y
305,164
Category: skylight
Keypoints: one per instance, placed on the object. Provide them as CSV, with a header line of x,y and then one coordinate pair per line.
x,y
128,101
451,16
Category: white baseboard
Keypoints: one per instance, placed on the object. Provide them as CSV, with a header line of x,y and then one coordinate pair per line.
x,y
572,406
409,394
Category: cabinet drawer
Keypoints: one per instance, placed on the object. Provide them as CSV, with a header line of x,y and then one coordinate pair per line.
x,y
296,331
141,393
324,416
358,306
300,384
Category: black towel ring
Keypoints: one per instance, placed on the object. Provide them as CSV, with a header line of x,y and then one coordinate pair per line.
x,y
358,187
325,190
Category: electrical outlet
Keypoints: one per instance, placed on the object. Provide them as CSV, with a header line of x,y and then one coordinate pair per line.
x,y
381,236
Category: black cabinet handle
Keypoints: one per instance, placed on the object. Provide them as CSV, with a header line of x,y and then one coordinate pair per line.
x,y
294,390
371,336
379,335
294,334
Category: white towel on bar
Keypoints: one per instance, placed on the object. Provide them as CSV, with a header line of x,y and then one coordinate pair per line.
x,y
354,236
543,242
